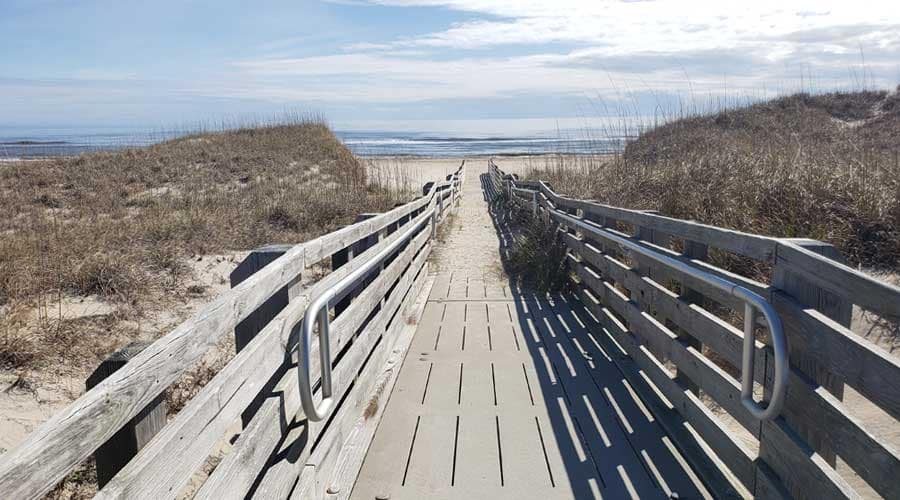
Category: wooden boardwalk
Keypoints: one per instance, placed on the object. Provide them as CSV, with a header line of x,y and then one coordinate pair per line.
x,y
505,394
460,384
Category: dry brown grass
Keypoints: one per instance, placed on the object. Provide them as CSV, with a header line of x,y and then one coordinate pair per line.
x,y
814,166
120,226
537,257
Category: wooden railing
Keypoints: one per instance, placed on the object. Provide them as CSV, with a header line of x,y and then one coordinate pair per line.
x,y
278,453
677,341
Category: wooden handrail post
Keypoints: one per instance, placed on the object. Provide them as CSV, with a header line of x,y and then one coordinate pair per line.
x,y
258,319
661,239
791,280
699,251
361,246
116,452
247,329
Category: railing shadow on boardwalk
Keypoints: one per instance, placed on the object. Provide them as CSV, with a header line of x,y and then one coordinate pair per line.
x,y
580,415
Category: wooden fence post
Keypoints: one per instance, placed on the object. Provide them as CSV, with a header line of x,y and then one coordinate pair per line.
x,y
791,280
247,329
341,258
602,221
661,239
699,251
363,245
116,452
258,319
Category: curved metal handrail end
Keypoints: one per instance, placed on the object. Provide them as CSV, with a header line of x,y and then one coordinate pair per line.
x,y
753,303
317,313
313,411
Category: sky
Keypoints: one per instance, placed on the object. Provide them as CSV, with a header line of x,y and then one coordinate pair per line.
x,y
462,65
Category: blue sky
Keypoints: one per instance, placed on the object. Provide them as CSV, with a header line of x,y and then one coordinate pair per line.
x,y
453,64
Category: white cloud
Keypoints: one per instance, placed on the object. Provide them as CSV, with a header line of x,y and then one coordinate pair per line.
x,y
613,49
395,77
624,27
647,46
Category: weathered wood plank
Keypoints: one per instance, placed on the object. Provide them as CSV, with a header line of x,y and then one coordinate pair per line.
x,y
829,343
326,246
237,472
865,291
662,272
633,359
712,379
279,477
329,466
787,278
112,455
757,247
188,439
257,320
784,451
805,403
696,252
342,471
873,459
170,461
804,473
71,435
859,363
720,336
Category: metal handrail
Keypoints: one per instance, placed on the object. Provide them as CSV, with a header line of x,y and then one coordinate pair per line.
x,y
317,314
753,303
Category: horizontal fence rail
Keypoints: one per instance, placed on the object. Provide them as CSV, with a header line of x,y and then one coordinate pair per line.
x,y
317,314
752,303
379,270
679,341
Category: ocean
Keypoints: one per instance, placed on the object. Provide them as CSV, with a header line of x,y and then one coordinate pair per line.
x,y
18,143
426,144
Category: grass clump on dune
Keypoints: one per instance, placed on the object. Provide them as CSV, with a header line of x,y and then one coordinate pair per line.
x,y
121,225
814,166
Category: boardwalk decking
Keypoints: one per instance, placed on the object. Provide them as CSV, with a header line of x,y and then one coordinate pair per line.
x,y
505,394
624,387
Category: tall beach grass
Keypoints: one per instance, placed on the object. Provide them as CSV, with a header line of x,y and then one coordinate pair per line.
x,y
823,166
119,226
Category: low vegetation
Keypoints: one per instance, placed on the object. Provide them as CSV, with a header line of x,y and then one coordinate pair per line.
x,y
537,257
121,227
815,166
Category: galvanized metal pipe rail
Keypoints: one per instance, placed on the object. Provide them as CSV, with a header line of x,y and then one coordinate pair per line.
x,y
753,305
317,314
317,311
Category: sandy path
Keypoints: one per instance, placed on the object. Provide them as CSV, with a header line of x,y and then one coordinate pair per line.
x,y
470,243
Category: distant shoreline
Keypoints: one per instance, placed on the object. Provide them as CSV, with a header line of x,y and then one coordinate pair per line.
x,y
410,157
36,144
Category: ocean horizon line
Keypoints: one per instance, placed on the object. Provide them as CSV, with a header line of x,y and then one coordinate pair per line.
x,y
44,143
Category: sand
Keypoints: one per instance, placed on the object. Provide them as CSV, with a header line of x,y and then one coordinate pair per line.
x,y
27,399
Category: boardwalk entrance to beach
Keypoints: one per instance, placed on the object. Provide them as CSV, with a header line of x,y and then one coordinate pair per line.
x,y
394,358
506,394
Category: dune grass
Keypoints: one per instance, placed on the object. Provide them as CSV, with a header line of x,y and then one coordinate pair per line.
x,y
815,166
120,226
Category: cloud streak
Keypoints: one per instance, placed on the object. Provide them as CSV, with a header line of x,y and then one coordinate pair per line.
x,y
767,29
495,55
